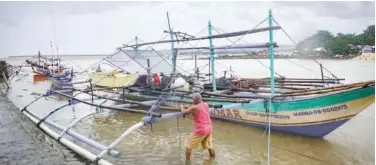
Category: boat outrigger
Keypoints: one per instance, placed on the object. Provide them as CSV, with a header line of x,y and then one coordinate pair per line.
x,y
301,106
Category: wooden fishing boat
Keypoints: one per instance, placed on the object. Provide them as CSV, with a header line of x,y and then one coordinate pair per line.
x,y
43,66
312,111
307,107
301,106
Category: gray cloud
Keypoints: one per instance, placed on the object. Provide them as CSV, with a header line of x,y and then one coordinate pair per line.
x,y
342,10
8,22
99,27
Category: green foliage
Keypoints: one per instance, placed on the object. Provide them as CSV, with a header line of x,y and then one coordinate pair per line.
x,y
338,44
369,35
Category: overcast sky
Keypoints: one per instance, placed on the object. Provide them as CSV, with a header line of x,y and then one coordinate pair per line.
x,y
100,27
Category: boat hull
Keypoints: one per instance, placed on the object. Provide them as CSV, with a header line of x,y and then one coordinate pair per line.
x,y
318,130
312,116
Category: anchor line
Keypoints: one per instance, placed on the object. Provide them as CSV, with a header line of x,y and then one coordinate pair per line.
x,y
268,103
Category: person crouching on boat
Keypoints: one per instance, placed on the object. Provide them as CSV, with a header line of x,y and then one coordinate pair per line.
x,y
203,128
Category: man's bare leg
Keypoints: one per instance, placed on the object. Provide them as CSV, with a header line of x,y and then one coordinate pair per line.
x,y
188,152
211,153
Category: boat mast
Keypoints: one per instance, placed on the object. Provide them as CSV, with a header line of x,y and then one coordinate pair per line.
x,y
271,56
196,69
136,54
271,53
172,51
136,47
212,58
38,57
52,57
172,46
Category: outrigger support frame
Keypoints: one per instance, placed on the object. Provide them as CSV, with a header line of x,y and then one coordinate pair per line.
x,y
42,121
225,35
73,123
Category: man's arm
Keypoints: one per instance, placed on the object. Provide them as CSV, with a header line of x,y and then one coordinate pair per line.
x,y
186,110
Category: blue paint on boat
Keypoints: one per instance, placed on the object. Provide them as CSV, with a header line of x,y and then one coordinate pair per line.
x,y
318,130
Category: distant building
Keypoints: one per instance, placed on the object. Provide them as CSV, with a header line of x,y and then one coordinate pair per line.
x,y
368,49
319,49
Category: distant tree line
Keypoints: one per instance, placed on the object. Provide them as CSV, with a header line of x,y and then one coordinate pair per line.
x,y
343,44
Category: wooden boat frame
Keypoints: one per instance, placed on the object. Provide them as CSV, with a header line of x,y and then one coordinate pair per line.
x,y
153,117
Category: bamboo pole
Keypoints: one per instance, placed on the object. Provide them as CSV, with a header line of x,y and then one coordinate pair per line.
x,y
300,84
282,87
235,96
322,73
255,90
109,107
74,147
360,84
308,81
125,101
318,92
208,99
302,79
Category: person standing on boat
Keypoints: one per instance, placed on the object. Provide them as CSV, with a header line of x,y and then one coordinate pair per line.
x,y
203,130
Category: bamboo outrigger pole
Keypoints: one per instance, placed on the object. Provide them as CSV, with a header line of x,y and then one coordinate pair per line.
x,y
217,36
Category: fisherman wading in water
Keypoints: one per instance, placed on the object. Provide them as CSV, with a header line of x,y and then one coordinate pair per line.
x,y
202,133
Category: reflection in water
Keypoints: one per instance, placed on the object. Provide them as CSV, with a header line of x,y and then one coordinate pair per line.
x,y
209,161
37,78
352,143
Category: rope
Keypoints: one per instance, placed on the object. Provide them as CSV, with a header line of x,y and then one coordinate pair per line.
x,y
103,58
250,31
150,46
308,56
170,55
217,30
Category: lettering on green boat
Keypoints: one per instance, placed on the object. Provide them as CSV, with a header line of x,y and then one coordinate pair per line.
x,y
230,113
277,116
319,111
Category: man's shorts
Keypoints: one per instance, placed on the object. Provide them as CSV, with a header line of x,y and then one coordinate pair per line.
x,y
194,140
